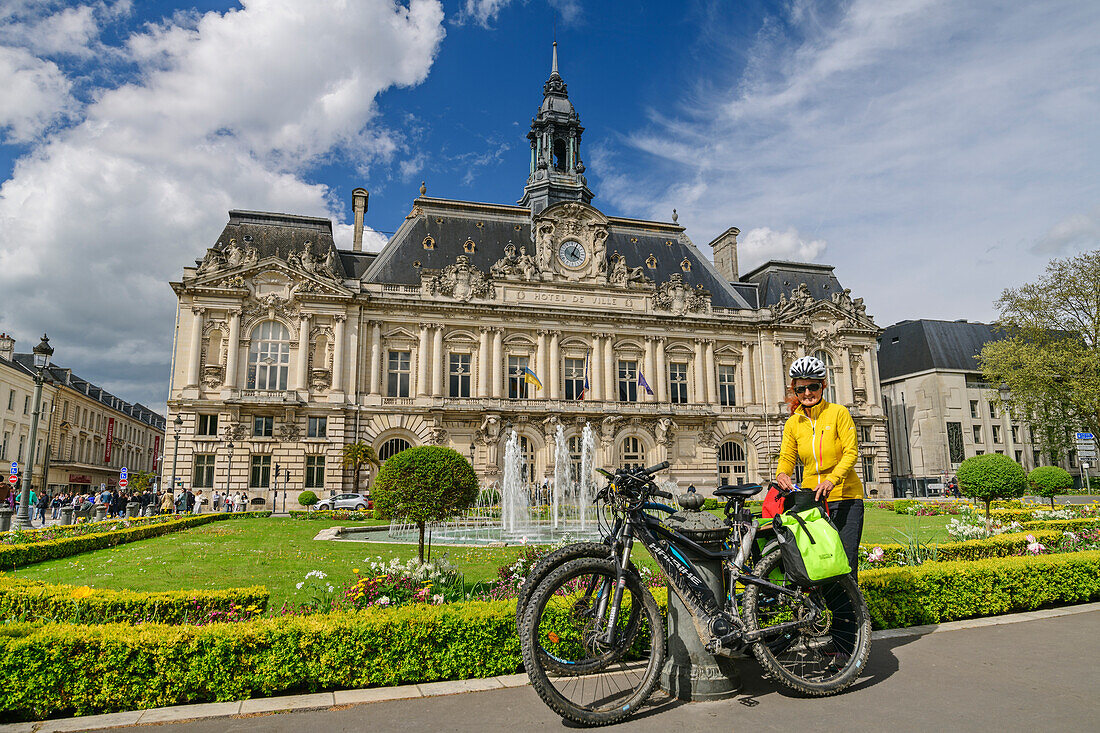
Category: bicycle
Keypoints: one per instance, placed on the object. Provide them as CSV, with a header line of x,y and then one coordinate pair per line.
x,y
595,664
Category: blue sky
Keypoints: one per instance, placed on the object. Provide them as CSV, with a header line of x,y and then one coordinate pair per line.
x,y
935,152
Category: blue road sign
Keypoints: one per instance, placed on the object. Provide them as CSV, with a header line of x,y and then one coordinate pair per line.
x,y
14,468
1084,436
122,474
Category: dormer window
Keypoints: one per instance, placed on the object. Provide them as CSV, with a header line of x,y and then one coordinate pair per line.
x,y
685,265
429,243
468,246
651,262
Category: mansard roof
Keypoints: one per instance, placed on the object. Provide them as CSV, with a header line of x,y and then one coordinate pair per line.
x,y
274,234
450,224
779,278
910,347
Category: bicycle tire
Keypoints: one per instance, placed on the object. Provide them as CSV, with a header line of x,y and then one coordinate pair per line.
x,y
828,656
545,564
621,685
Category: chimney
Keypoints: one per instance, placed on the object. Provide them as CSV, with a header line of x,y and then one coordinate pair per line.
x,y
7,347
725,253
359,204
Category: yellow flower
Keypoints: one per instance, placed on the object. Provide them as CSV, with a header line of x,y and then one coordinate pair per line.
x,y
355,570
79,594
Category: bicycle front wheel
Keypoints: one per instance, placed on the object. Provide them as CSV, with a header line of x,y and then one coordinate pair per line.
x,y
579,670
824,656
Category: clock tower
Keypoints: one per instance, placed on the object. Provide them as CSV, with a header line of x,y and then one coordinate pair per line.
x,y
557,173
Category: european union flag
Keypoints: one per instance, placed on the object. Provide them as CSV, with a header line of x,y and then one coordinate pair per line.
x,y
644,384
530,378
585,389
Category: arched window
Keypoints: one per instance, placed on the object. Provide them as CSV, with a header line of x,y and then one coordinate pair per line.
x,y
575,447
733,469
392,447
527,451
269,356
560,154
830,375
631,453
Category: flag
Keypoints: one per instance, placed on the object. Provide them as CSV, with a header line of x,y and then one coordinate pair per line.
x,y
644,384
584,390
530,378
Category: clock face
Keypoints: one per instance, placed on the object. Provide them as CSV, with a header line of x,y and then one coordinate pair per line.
x,y
572,253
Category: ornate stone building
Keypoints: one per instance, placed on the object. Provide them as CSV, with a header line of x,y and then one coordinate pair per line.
x,y
287,348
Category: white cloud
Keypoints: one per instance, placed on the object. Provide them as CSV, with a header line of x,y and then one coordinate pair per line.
x,y
484,12
1076,232
36,95
757,246
925,141
230,109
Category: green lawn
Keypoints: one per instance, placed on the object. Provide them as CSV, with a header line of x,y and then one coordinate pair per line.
x,y
278,553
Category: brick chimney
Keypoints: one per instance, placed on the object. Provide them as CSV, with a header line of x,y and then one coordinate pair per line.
x,y
725,253
7,347
359,205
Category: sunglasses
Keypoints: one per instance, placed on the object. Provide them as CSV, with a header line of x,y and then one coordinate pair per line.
x,y
807,387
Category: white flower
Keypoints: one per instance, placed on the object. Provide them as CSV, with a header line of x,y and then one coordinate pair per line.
x,y
330,589
437,599
299,586
1036,547
384,601
875,555
316,574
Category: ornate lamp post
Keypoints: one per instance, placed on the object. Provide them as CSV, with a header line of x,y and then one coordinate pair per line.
x,y
42,354
177,424
229,466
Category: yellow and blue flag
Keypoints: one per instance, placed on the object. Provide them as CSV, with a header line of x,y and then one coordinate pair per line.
x,y
530,378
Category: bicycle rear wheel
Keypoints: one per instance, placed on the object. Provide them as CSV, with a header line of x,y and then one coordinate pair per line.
x,y
578,674
821,658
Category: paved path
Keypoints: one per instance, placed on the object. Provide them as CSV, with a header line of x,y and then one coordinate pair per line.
x,y
1024,672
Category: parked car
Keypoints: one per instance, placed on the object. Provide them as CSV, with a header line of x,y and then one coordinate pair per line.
x,y
344,501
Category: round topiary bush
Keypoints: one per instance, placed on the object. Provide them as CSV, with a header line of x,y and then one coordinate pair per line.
x,y
990,477
307,498
424,484
1049,481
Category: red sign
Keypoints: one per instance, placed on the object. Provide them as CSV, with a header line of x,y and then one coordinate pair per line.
x,y
79,478
122,482
156,447
110,438
13,479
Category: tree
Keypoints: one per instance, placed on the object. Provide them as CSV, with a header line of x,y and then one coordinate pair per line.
x,y
141,481
424,484
1049,481
1050,356
307,498
356,455
990,477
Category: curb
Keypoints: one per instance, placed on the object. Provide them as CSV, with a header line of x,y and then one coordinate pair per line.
x,y
324,700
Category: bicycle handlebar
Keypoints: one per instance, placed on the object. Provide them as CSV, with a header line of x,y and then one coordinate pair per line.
x,y
662,494
654,469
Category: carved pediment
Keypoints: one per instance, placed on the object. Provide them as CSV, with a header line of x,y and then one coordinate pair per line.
x,y
461,281
679,298
840,311
570,243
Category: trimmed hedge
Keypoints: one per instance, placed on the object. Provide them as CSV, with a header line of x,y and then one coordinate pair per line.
x,y
350,515
59,531
13,556
48,670
937,592
30,600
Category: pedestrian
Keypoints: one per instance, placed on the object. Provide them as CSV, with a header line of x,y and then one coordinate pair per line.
x,y
42,505
166,503
215,501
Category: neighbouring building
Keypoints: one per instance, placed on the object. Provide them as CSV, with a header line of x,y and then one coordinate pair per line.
x,y
86,435
940,409
479,319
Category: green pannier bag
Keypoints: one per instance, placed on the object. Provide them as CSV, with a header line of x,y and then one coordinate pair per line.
x,y
811,547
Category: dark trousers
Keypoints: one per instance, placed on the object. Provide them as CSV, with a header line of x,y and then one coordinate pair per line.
x,y
847,515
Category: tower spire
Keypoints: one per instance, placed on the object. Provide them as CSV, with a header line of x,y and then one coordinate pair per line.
x,y
554,70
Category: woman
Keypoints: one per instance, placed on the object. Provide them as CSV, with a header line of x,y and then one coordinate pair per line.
x,y
166,503
823,436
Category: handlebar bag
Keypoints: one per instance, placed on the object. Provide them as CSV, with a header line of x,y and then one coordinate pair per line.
x,y
811,547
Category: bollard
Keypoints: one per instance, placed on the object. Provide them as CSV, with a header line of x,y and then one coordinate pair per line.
x,y
67,514
691,672
100,512
5,517
133,508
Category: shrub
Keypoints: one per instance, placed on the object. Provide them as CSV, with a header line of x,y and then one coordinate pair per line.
x,y
1003,545
29,600
424,484
307,498
344,515
1049,481
991,476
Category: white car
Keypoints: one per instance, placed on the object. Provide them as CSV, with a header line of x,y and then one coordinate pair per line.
x,y
344,501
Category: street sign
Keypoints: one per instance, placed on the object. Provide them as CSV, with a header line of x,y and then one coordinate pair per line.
x,y
1084,436
14,468
13,479
122,473
122,483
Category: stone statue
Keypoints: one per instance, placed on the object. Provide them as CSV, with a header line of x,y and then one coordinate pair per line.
x,y
234,255
526,264
212,262
619,272
599,250
663,430
330,265
545,246
505,267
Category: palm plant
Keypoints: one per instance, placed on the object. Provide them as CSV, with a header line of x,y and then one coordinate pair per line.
x,y
356,455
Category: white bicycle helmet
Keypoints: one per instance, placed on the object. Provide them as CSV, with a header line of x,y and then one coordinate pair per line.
x,y
807,367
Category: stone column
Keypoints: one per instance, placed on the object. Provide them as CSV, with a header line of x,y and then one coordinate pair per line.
x,y
541,370
483,363
555,366
661,386
746,395
233,349
303,353
700,375
338,356
437,361
874,394
196,347
778,374
650,370
610,386
496,365
375,358
595,369
422,361
708,365
845,393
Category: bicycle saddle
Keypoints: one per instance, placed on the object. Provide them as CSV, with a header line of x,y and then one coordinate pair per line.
x,y
743,491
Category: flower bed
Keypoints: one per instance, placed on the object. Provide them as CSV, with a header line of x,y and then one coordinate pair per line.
x,y
18,536
29,600
343,515
62,669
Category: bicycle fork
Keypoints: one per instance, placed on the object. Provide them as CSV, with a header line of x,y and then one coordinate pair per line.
x,y
616,597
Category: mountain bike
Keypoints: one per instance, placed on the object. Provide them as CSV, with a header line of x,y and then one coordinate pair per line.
x,y
593,639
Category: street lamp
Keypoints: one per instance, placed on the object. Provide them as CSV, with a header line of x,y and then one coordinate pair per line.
x,y
42,354
229,467
177,424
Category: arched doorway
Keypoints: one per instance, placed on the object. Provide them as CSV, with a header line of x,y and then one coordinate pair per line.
x,y
733,468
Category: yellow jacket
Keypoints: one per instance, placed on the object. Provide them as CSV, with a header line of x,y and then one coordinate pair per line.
x,y
825,440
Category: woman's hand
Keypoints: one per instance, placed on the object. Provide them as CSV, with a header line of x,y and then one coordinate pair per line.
x,y
784,482
823,489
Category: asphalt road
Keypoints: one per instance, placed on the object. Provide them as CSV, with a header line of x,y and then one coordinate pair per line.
x,y
1026,676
